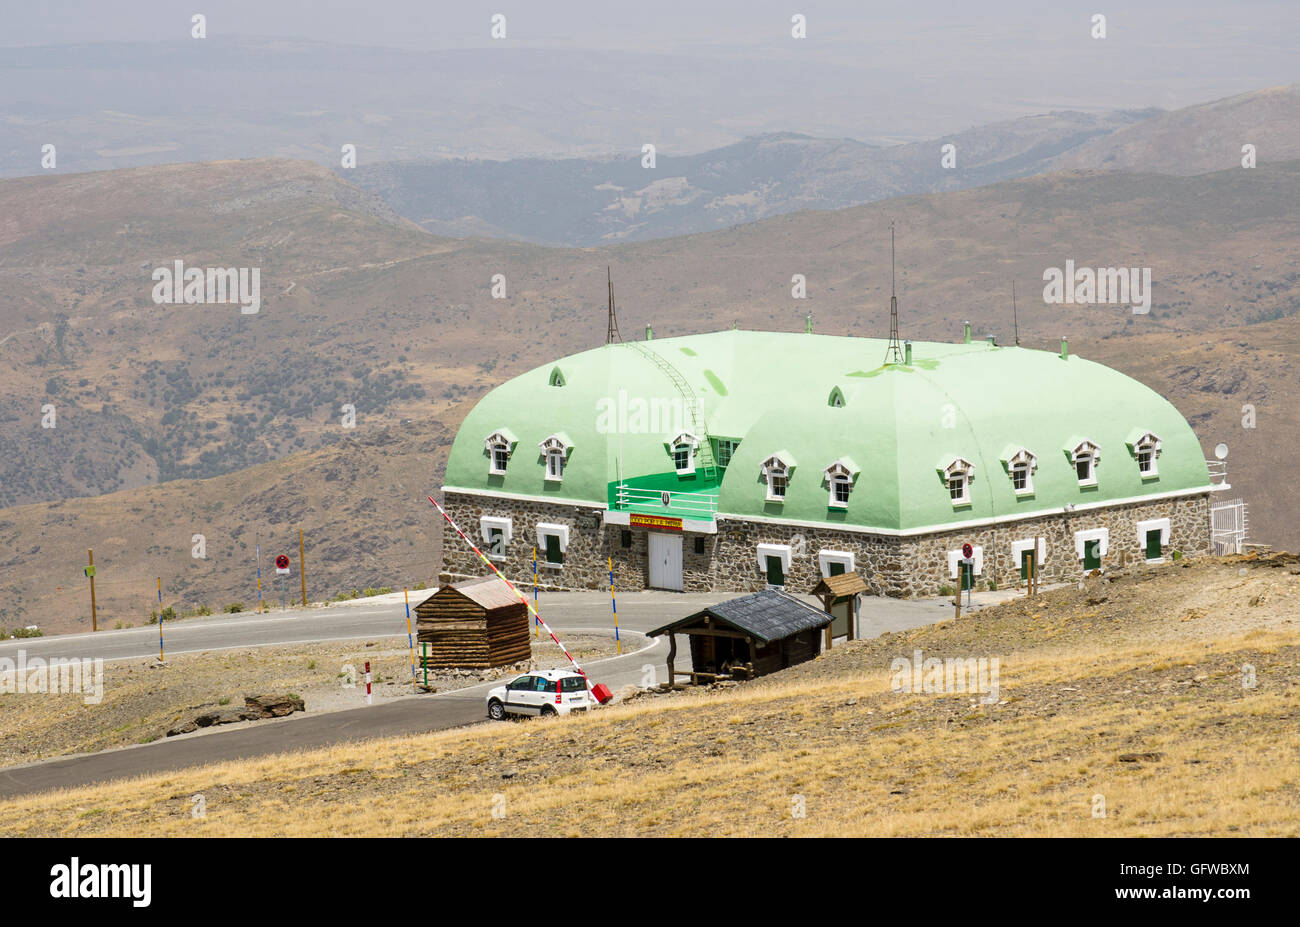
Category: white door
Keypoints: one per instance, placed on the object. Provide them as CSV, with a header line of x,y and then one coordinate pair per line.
x,y
666,561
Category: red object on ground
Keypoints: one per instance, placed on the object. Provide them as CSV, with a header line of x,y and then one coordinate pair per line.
x,y
602,693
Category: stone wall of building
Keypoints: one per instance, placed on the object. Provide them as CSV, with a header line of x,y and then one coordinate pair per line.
x,y
893,566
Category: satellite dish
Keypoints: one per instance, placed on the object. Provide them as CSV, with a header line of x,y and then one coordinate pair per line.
x,y
1221,451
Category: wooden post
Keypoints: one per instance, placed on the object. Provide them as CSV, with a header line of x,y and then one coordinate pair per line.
x,y
90,571
1038,541
957,602
302,573
672,653
828,635
1030,564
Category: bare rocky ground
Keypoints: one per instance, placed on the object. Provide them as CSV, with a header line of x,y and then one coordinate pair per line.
x,y
143,699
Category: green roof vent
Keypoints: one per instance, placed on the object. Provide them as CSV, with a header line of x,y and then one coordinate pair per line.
x,y
557,377
836,400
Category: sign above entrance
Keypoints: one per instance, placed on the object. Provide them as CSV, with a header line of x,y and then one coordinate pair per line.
x,y
662,522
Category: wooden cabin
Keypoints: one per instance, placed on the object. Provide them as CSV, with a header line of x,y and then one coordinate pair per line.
x,y
746,637
474,624
839,597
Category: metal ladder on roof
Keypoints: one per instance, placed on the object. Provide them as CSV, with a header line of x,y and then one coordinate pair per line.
x,y
704,459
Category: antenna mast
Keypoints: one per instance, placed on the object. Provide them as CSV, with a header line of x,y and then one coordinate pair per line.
x,y
612,335
1014,319
894,350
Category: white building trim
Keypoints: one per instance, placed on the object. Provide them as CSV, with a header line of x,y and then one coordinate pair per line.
x,y
1154,524
486,523
1019,547
1091,534
826,557
561,531
784,551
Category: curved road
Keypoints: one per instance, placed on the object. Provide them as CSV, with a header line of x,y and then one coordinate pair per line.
x,y
380,616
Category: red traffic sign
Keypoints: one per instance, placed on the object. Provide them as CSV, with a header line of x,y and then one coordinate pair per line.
x,y
282,563
966,551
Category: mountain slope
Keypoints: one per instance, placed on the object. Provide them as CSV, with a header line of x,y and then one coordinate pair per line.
x,y
584,202
1198,139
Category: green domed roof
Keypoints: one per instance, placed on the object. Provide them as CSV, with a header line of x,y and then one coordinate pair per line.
x,y
818,399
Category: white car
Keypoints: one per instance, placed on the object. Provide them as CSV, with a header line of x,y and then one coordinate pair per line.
x,y
541,692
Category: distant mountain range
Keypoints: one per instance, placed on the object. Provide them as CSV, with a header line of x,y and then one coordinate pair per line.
x,y
584,201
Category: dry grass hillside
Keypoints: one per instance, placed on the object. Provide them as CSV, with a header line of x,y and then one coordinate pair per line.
x,y
1159,701
361,308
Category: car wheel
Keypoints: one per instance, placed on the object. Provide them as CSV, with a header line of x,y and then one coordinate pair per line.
x,y
496,711
548,711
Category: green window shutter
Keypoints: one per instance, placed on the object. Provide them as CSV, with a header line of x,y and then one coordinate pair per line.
x,y
967,575
837,569
1092,555
1153,545
1024,563
775,575
553,552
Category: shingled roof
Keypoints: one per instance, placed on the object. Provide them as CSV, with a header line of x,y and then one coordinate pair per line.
x,y
769,615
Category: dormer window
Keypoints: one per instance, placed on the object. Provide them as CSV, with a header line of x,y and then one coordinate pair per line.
x,y
776,471
957,475
1085,456
555,451
839,478
1146,448
683,451
557,377
500,445
1021,465
836,400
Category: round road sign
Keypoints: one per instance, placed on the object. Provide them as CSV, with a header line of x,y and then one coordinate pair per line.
x,y
282,562
966,551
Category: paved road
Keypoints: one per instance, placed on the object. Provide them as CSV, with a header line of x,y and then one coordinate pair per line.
x,y
638,612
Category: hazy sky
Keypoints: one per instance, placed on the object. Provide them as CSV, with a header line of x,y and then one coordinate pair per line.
x,y
662,24
599,75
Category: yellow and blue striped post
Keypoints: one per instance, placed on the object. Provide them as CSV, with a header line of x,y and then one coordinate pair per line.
x,y
161,655
618,646
409,639
537,622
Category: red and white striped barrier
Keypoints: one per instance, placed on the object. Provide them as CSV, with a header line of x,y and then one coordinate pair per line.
x,y
370,700
522,598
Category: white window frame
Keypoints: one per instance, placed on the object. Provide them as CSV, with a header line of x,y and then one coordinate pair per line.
x,y
826,557
961,468
784,551
1023,458
555,447
1152,524
1148,442
730,447
549,528
1024,544
838,472
954,558
1081,538
774,466
488,522
499,439
690,442
1093,451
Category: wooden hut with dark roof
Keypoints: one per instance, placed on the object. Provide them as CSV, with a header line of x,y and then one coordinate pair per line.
x,y
474,624
746,637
